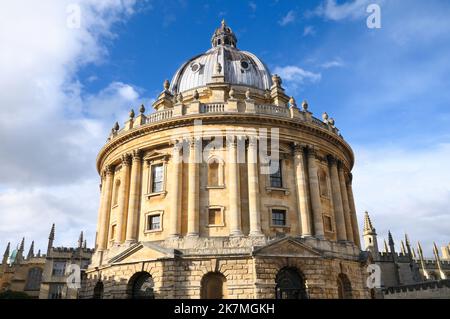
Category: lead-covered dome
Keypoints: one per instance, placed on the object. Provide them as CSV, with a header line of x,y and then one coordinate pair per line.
x,y
224,59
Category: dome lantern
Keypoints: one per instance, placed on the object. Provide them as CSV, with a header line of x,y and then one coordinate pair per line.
x,y
223,36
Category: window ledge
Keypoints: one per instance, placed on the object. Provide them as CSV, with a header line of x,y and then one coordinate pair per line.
x,y
163,193
280,226
153,231
216,187
215,225
278,189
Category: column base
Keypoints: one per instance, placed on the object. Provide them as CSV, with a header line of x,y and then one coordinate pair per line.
x,y
236,233
130,242
256,234
192,235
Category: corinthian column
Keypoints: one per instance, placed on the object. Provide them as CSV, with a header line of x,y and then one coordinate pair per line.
x,y
253,187
302,191
337,200
123,199
106,209
315,194
233,188
345,204
193,189
134,198
351,202
100,209
175,192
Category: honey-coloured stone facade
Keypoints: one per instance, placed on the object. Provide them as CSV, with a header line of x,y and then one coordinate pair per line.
x,y
190,209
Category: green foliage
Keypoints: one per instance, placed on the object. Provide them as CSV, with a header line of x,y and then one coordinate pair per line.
x,y
14,295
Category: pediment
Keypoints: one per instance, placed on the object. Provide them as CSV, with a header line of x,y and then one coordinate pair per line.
x,y
287,247
153,155
143,251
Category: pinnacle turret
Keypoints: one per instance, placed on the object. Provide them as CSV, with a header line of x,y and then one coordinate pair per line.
x,y
31,251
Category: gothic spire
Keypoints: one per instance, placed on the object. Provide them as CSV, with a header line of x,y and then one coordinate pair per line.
x,y
31,251
6,254
51,238
402,247
386,249
368,227
80,240
22,245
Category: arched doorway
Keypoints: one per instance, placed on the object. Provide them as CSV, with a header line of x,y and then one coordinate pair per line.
x,y
98,290
213,286
344,287
290,284
141,286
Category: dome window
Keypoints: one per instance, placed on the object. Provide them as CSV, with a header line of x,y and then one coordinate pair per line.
x,y
195,67
245,65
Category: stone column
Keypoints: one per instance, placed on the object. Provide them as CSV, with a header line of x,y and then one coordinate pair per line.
x,y
122,207
134,197
345,203
100,208
193,188
337,200
106,209
351,202
233,188
253,187
302,191
315,194
175,192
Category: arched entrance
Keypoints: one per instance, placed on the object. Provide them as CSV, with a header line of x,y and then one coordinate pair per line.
x,y
98,290
344,287
141,286
213,286
290,284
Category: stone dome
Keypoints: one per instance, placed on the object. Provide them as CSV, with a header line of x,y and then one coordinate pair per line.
x,y
225,60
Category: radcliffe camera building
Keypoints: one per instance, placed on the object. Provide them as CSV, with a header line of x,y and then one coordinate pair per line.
x,y
180,218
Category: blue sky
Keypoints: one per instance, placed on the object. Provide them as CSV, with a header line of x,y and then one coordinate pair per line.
x,y
64,88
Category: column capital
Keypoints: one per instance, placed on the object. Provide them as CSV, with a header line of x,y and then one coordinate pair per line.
x,y
109,170
311,151
126,159
298,147
137,154
231,140
253,140
332,160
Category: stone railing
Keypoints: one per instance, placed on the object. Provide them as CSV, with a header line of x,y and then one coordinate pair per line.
x,y
272,110
224,108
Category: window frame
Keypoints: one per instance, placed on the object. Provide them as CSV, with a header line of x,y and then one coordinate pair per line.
x,y
283,157
286,216
155,213
58,274
222,216
160,159
332,231
220,172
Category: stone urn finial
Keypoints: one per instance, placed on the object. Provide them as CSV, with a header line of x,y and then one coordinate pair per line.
x,y
166,85
142,109
305,105
247,94
196,95
325,117
292,102
331,121
276,80
131,114
218,68
180,98
116,126
231,93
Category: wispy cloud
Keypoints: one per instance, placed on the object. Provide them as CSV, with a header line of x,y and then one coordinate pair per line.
x,y
353,9
290,17
309,30
252,6
294,76
336,63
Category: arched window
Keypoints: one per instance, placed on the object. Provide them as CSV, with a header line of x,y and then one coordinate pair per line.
x,y
98,290
290,284
344,287
116,192
215,172
141,286
34,279
323,183
213,286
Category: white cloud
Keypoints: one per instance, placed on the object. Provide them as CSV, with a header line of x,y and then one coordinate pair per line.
x,y
405,190
288,18
309,30
337,63
353,9
293,76
50,128
252,6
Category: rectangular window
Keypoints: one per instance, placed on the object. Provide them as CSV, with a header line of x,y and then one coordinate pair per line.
x,y
154,222
157,178
328,223
59,268
113,231
278,217
55,291
214,216
276,179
